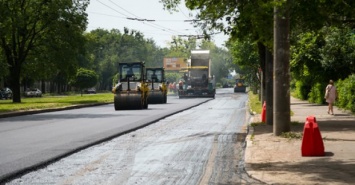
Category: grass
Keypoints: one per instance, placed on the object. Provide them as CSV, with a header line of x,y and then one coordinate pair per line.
x,y
254,103
292,135
54,102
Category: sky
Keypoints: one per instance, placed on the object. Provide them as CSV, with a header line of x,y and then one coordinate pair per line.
x,y
117,14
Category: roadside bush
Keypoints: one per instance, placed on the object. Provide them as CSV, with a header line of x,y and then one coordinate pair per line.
x,y
316,95
302,90
346,93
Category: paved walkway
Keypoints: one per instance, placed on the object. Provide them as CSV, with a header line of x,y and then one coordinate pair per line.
x,y
277,160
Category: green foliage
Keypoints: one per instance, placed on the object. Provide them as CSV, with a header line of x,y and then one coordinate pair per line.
x,y
106,49
319,56
41,39
346,93
255,124
172,76
221,61
181,48
85,79
254,102
246,57
4,70
301,90
338,53
316,95
305,57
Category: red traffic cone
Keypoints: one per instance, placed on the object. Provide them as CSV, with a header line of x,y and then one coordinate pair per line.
x,y
263,113
312,142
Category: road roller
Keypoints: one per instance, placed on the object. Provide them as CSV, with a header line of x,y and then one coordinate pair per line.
x,y
131,91
157,85
239,86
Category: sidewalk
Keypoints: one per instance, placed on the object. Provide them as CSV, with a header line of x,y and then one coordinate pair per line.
x,y
277,160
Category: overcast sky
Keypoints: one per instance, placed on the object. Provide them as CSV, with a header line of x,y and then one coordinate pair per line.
x,y
109,14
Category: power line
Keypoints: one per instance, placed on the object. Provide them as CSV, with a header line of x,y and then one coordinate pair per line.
x,y
133,17
111,8
156,20
144,21
183,12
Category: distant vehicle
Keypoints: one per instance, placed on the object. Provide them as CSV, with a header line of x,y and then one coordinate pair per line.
x,y
5,93
239,85
197,80
90,91
33,92
227,85
157,85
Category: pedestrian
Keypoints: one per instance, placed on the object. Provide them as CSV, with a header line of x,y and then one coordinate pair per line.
x,y
330,96
181,85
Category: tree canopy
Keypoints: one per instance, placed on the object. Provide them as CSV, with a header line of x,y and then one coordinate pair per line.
x,y
40,33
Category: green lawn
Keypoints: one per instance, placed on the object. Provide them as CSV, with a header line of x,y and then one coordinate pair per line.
x,y
254,103
54,102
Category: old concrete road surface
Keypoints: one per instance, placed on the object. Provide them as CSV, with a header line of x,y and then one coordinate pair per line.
x,y
202,145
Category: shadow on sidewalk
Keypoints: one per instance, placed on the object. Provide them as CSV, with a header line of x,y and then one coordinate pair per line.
x,y
322,170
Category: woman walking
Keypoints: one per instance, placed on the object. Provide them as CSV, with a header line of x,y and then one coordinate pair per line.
x,y
330,96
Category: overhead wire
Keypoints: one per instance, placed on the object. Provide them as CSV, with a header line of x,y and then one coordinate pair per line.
x,y
149,23
144,20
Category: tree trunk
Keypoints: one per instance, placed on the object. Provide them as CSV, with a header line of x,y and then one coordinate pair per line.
x,y
261,51
269,87
15,84
43,86
281,69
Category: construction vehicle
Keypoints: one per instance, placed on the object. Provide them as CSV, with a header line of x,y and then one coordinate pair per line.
x,y
197,76
131,92
157,86
239,85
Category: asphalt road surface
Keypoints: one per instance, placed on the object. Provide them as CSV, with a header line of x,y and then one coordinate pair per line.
x,y
33,140
202,145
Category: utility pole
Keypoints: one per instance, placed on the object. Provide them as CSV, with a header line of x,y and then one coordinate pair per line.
x,y
281,68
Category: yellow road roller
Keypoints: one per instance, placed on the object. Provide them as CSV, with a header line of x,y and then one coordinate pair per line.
x,y
157,85
239,85
131,92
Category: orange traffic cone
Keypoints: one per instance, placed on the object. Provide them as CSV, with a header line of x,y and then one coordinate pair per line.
x,y
263,113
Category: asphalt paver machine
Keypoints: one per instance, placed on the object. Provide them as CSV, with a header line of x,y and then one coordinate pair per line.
x,y
198,80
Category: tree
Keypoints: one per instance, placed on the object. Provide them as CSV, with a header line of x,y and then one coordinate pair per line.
x,y
254,19
338,52
84,79
221,60
246,57
105,49
32,31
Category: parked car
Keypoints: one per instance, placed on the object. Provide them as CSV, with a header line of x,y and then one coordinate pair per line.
x,y
5,93
33,92
90,91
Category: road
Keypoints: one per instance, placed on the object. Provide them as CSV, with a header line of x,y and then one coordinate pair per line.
x,y
202,145
33,140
